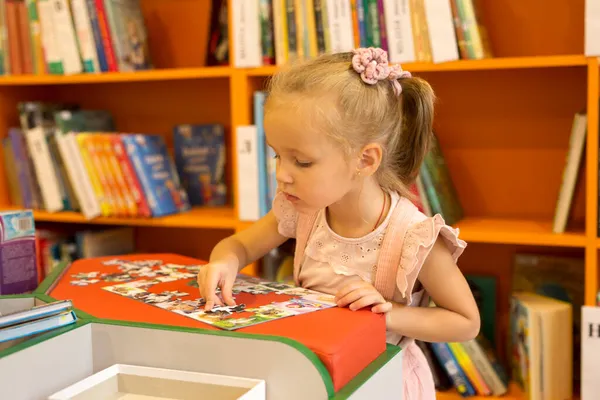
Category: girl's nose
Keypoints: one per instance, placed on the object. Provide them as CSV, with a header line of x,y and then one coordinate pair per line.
x,y
282,176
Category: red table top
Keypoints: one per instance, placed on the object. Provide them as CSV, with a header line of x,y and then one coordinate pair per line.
x,y
336,335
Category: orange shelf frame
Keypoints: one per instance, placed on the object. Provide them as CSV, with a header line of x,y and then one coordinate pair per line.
x,y
223,218
472,65
476,230
521,232
166,74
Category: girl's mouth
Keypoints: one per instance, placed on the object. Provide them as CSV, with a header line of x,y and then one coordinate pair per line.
x,y
291,198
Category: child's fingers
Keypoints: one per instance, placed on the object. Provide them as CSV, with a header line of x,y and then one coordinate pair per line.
x,y
364,301
348,289
352,296
208,290
382,308
200,280
226,291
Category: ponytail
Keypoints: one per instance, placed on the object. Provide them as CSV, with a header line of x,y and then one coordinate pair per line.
x,y
416,102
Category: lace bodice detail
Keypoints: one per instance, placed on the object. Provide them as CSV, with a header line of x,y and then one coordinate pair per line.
x,y
347,256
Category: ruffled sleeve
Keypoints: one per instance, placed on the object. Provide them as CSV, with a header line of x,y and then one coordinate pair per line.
x,y
418,242
286,215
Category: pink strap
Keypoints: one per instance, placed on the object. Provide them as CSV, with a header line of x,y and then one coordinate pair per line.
x,y
303,229
391,248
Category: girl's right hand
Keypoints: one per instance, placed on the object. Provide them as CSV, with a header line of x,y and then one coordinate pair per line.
x,y
221,274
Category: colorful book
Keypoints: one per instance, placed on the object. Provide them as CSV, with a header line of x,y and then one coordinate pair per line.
x,y
157,173
200,155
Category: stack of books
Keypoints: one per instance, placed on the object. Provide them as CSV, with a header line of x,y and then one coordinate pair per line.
x,y
36,320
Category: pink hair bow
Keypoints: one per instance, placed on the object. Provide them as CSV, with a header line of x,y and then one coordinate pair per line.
x,y
372,65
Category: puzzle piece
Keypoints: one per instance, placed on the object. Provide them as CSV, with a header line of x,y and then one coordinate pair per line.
x,y
226,310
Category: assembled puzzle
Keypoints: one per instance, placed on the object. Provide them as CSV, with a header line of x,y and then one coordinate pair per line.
x,y
257,300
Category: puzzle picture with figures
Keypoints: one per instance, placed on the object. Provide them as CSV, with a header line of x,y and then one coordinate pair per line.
x,y
257,300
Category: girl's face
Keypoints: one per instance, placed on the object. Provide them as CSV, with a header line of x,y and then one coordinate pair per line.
x,y
312,169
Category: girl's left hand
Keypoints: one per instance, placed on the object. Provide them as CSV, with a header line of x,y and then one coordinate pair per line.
x,y
361,294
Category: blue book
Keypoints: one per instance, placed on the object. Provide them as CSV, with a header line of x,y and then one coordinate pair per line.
x,y
157,174
200,161
261,146
453,369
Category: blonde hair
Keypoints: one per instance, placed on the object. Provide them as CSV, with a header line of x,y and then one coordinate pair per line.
x,y
360,113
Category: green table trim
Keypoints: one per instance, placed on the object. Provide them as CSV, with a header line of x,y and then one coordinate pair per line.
x,y
51,278
363,376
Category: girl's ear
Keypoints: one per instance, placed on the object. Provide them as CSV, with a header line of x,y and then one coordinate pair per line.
x,y
369,159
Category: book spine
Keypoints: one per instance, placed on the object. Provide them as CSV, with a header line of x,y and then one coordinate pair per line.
x,y
311,28
130,177
441,30
25,42
290,15
44,169
484,366
382,26
97,35
266,32
105,32
5,50
66,40
456,374
247,174
246,33
263,191
22,166
469,369
459,30
12,25
36,38
111,184
85,35
66,189
101,195
116,171
77,173
372,23
136,159
280,32
319,28
14,191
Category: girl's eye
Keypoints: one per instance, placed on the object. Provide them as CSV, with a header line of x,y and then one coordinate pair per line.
x,y
303,164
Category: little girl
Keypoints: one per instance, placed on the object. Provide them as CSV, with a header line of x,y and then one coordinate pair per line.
x,y
350,132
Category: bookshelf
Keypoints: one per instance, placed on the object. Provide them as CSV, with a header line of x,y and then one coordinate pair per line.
x,y
503,124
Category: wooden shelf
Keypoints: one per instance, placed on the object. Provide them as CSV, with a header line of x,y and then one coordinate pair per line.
x,y
499,63
168,74
222,218
514,393
523,232
113,77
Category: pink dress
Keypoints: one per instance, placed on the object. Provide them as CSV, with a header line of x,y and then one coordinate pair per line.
x,y
331,261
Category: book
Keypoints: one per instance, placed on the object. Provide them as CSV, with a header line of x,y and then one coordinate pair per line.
x,y
200,161
541,349
34,313
36,326
18,270
157,174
